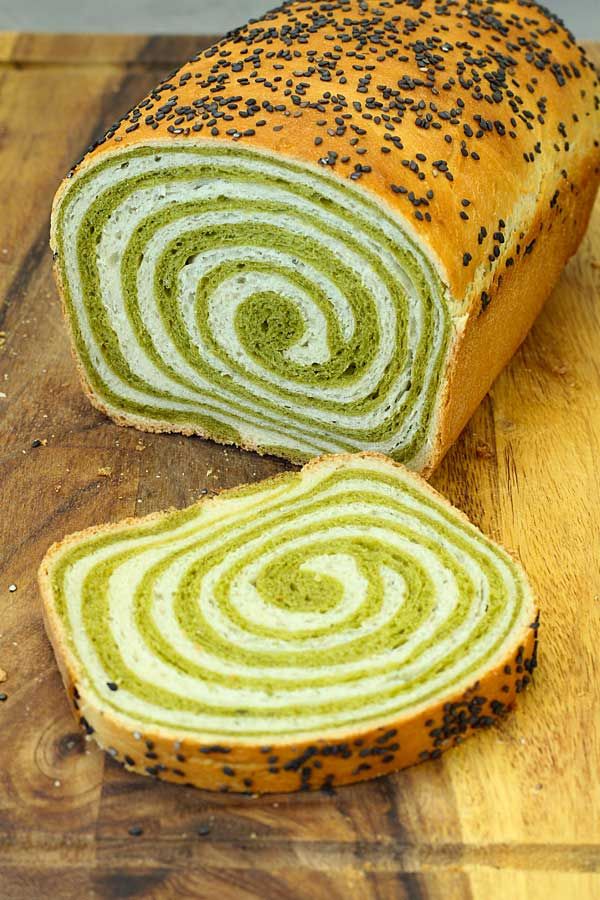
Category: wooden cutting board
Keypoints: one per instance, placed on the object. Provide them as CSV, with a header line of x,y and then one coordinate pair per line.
x,y
513,813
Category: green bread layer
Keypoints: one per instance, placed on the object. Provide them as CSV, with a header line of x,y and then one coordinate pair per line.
x,y
267,324
282,584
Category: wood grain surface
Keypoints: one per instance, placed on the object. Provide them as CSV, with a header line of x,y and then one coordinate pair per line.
x,y
514,813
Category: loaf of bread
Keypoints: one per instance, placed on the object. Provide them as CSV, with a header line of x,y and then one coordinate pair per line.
x,y
331,230
322,627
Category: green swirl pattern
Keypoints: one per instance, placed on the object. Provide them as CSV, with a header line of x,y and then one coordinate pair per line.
x,y
346,594
251,299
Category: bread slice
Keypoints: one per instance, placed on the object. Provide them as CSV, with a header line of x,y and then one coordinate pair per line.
x,y
322,627
331,230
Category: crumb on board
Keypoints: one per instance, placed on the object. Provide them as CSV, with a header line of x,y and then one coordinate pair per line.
x,y
558,369
105,471
483,450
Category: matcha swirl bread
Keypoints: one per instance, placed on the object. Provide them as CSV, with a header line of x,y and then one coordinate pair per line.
x,y
330,230
322,627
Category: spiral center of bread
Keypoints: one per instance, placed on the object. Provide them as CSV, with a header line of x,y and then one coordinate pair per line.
x,y
251,299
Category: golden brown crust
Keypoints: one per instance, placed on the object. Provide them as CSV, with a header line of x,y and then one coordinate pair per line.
x,y
491,338
500,68
298,764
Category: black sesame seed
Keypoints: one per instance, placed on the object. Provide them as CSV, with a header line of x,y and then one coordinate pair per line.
x,y
86,725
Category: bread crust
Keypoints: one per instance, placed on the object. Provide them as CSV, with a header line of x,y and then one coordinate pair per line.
x,y
491,339
523,153
342,756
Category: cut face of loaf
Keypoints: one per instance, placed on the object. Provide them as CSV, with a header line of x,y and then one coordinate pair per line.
x,y
255,300
332,229
319,628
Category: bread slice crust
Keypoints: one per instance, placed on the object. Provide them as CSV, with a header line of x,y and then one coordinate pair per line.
x,y
300,762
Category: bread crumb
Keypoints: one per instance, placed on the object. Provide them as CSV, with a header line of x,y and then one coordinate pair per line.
x,y
558,369
105,471
140,447
483,450
3,675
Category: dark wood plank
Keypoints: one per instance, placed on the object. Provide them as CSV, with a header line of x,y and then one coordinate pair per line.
x,y
201,883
